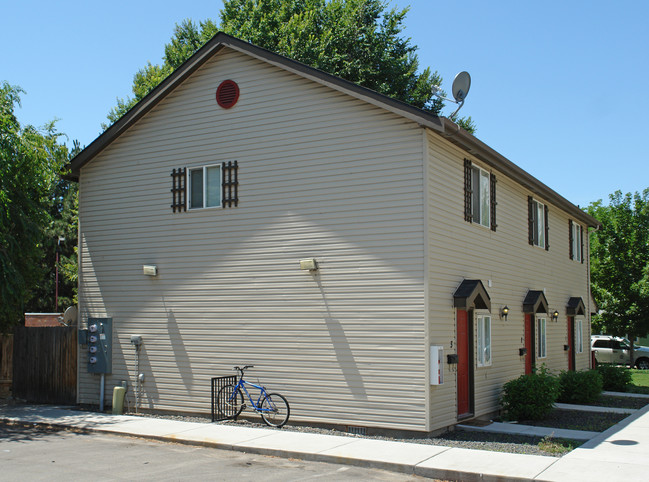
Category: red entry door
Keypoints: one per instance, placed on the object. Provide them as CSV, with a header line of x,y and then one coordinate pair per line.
x,y
571,343
463,364
529,343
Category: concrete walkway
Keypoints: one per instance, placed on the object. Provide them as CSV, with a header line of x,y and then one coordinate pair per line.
x,y
620,453
594,408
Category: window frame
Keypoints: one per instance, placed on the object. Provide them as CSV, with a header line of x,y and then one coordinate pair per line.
x,y
480,192
579,335
538,223
481,196
190,183
541,337
483,345
576,242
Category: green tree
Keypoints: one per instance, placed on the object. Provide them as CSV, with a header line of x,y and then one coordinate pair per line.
x,y
30,163
620,265
59,245
358,40
188,37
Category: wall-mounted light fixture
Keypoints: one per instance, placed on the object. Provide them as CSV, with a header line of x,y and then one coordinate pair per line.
x,y
150,270
555,315
504,311
309,264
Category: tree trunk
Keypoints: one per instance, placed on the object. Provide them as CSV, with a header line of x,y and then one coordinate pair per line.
x,y
632,352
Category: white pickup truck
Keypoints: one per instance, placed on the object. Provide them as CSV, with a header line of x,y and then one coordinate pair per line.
x,y
611,349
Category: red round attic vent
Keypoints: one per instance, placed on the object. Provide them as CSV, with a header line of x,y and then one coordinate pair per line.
x,y
227,94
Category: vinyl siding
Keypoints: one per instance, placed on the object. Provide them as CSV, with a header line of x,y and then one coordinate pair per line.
x,y
321,175
508,267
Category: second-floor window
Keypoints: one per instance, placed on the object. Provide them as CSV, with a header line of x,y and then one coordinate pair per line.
x,y
479,196
205,187
538,223
214,185
576,242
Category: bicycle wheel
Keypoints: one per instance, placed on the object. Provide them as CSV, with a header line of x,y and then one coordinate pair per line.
x,y
275,410
228,402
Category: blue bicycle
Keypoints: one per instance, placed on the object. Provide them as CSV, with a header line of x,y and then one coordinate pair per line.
x,y
272,407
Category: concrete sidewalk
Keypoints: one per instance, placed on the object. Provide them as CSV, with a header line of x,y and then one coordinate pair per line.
x,y
619,453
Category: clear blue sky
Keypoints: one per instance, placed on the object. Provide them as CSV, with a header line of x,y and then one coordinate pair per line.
x,y
558,87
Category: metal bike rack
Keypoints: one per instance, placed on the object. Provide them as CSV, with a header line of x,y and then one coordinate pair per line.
x,y
217,384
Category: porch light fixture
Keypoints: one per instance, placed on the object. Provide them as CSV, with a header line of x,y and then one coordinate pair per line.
x,y
555,315
504,311
150,270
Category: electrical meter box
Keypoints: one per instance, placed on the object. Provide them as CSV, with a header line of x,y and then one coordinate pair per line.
x,y
436,365
100,345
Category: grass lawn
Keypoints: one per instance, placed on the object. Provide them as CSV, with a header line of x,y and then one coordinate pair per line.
x,y
640,380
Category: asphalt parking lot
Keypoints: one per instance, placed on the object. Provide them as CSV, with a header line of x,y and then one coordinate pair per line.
x,y
35,453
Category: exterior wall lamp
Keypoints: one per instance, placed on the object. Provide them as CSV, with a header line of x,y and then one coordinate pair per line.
x,y
555,316
504,311
309,264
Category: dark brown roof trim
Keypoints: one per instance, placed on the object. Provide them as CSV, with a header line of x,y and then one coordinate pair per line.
x,y
213,46
486,154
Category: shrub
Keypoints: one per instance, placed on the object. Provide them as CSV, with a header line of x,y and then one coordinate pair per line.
x,y
616,379
530,397
580,387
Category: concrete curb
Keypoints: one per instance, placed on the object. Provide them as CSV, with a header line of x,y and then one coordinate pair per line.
x,y
594,408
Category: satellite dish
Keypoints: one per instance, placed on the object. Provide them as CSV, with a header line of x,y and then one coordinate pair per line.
x,y
70,316
460,89
461,86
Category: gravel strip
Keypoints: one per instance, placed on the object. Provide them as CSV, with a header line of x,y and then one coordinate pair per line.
x,y
622,402
578,420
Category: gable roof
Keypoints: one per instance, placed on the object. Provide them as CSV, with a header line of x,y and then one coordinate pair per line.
x,y
535,302
575,306
471,294
440,125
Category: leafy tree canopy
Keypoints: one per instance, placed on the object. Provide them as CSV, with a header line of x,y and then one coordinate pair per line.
x,y
30,164
358,40
620,264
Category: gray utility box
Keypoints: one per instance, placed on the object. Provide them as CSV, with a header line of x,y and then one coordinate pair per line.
x,y
100,343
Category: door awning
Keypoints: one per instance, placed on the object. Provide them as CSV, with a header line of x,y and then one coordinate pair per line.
x,y
471,294
535,302
575,306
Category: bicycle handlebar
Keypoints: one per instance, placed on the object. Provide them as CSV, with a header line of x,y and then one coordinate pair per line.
x,y
243,369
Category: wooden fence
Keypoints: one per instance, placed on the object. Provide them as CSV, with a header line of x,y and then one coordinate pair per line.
x,y
6,364
45,364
